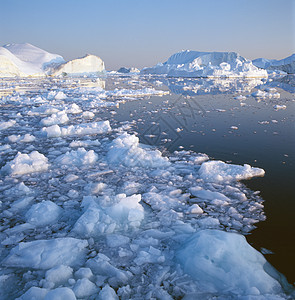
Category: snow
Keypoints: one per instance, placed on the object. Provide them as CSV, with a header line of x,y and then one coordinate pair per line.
x,y
219,171
46,254
26,163
221,260
206,64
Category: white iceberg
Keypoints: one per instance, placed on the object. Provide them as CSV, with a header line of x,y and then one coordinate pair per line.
x,y
206,64
26,60
286,65
87,65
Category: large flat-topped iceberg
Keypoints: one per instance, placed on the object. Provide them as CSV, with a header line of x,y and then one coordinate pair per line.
x,y
206,64
26,60
87,65
286,65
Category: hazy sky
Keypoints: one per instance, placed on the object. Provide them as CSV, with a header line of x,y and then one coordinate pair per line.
x,y
144,32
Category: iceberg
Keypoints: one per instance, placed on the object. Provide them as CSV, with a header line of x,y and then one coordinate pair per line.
x,y
26,60
87,65
286,65
206,64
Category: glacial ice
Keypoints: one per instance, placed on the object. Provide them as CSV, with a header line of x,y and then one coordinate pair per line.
x,y
206,64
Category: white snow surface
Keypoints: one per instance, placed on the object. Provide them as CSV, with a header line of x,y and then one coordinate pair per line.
x,y
206,64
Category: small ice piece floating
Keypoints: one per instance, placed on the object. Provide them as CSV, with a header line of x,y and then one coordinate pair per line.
x,y
206,64
26,163
219,171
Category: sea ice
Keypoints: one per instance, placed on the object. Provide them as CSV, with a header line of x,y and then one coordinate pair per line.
x,y
43,213
79,130
221,261
26,163
46,254
219,171
78,157
126,150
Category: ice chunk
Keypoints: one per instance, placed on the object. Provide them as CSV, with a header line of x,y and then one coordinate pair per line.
x,y
26,163
221,261
6,125
126,150
219,171
59,275
46,254
61,293
116,240
34,293
79,130
84,288
43,213
59,118
107,293
78,157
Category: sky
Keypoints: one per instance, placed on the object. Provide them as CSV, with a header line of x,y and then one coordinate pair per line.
x,y
139,33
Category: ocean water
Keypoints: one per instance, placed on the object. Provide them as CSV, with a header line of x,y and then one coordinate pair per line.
x,y
203,115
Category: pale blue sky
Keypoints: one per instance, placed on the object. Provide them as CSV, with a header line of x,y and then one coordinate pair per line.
x,y
142,33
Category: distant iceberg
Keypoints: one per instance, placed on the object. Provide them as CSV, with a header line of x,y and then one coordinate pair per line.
x,y
286,65
206,64
87,65
24,60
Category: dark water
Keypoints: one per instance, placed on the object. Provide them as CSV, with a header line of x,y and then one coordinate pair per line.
x,y
262,136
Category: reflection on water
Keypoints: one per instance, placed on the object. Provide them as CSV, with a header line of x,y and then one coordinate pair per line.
x,y
32,85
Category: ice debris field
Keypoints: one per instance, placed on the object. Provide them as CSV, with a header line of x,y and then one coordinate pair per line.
x,y
89,212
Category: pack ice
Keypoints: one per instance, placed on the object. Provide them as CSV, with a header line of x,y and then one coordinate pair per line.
x,y
89,212
206,64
